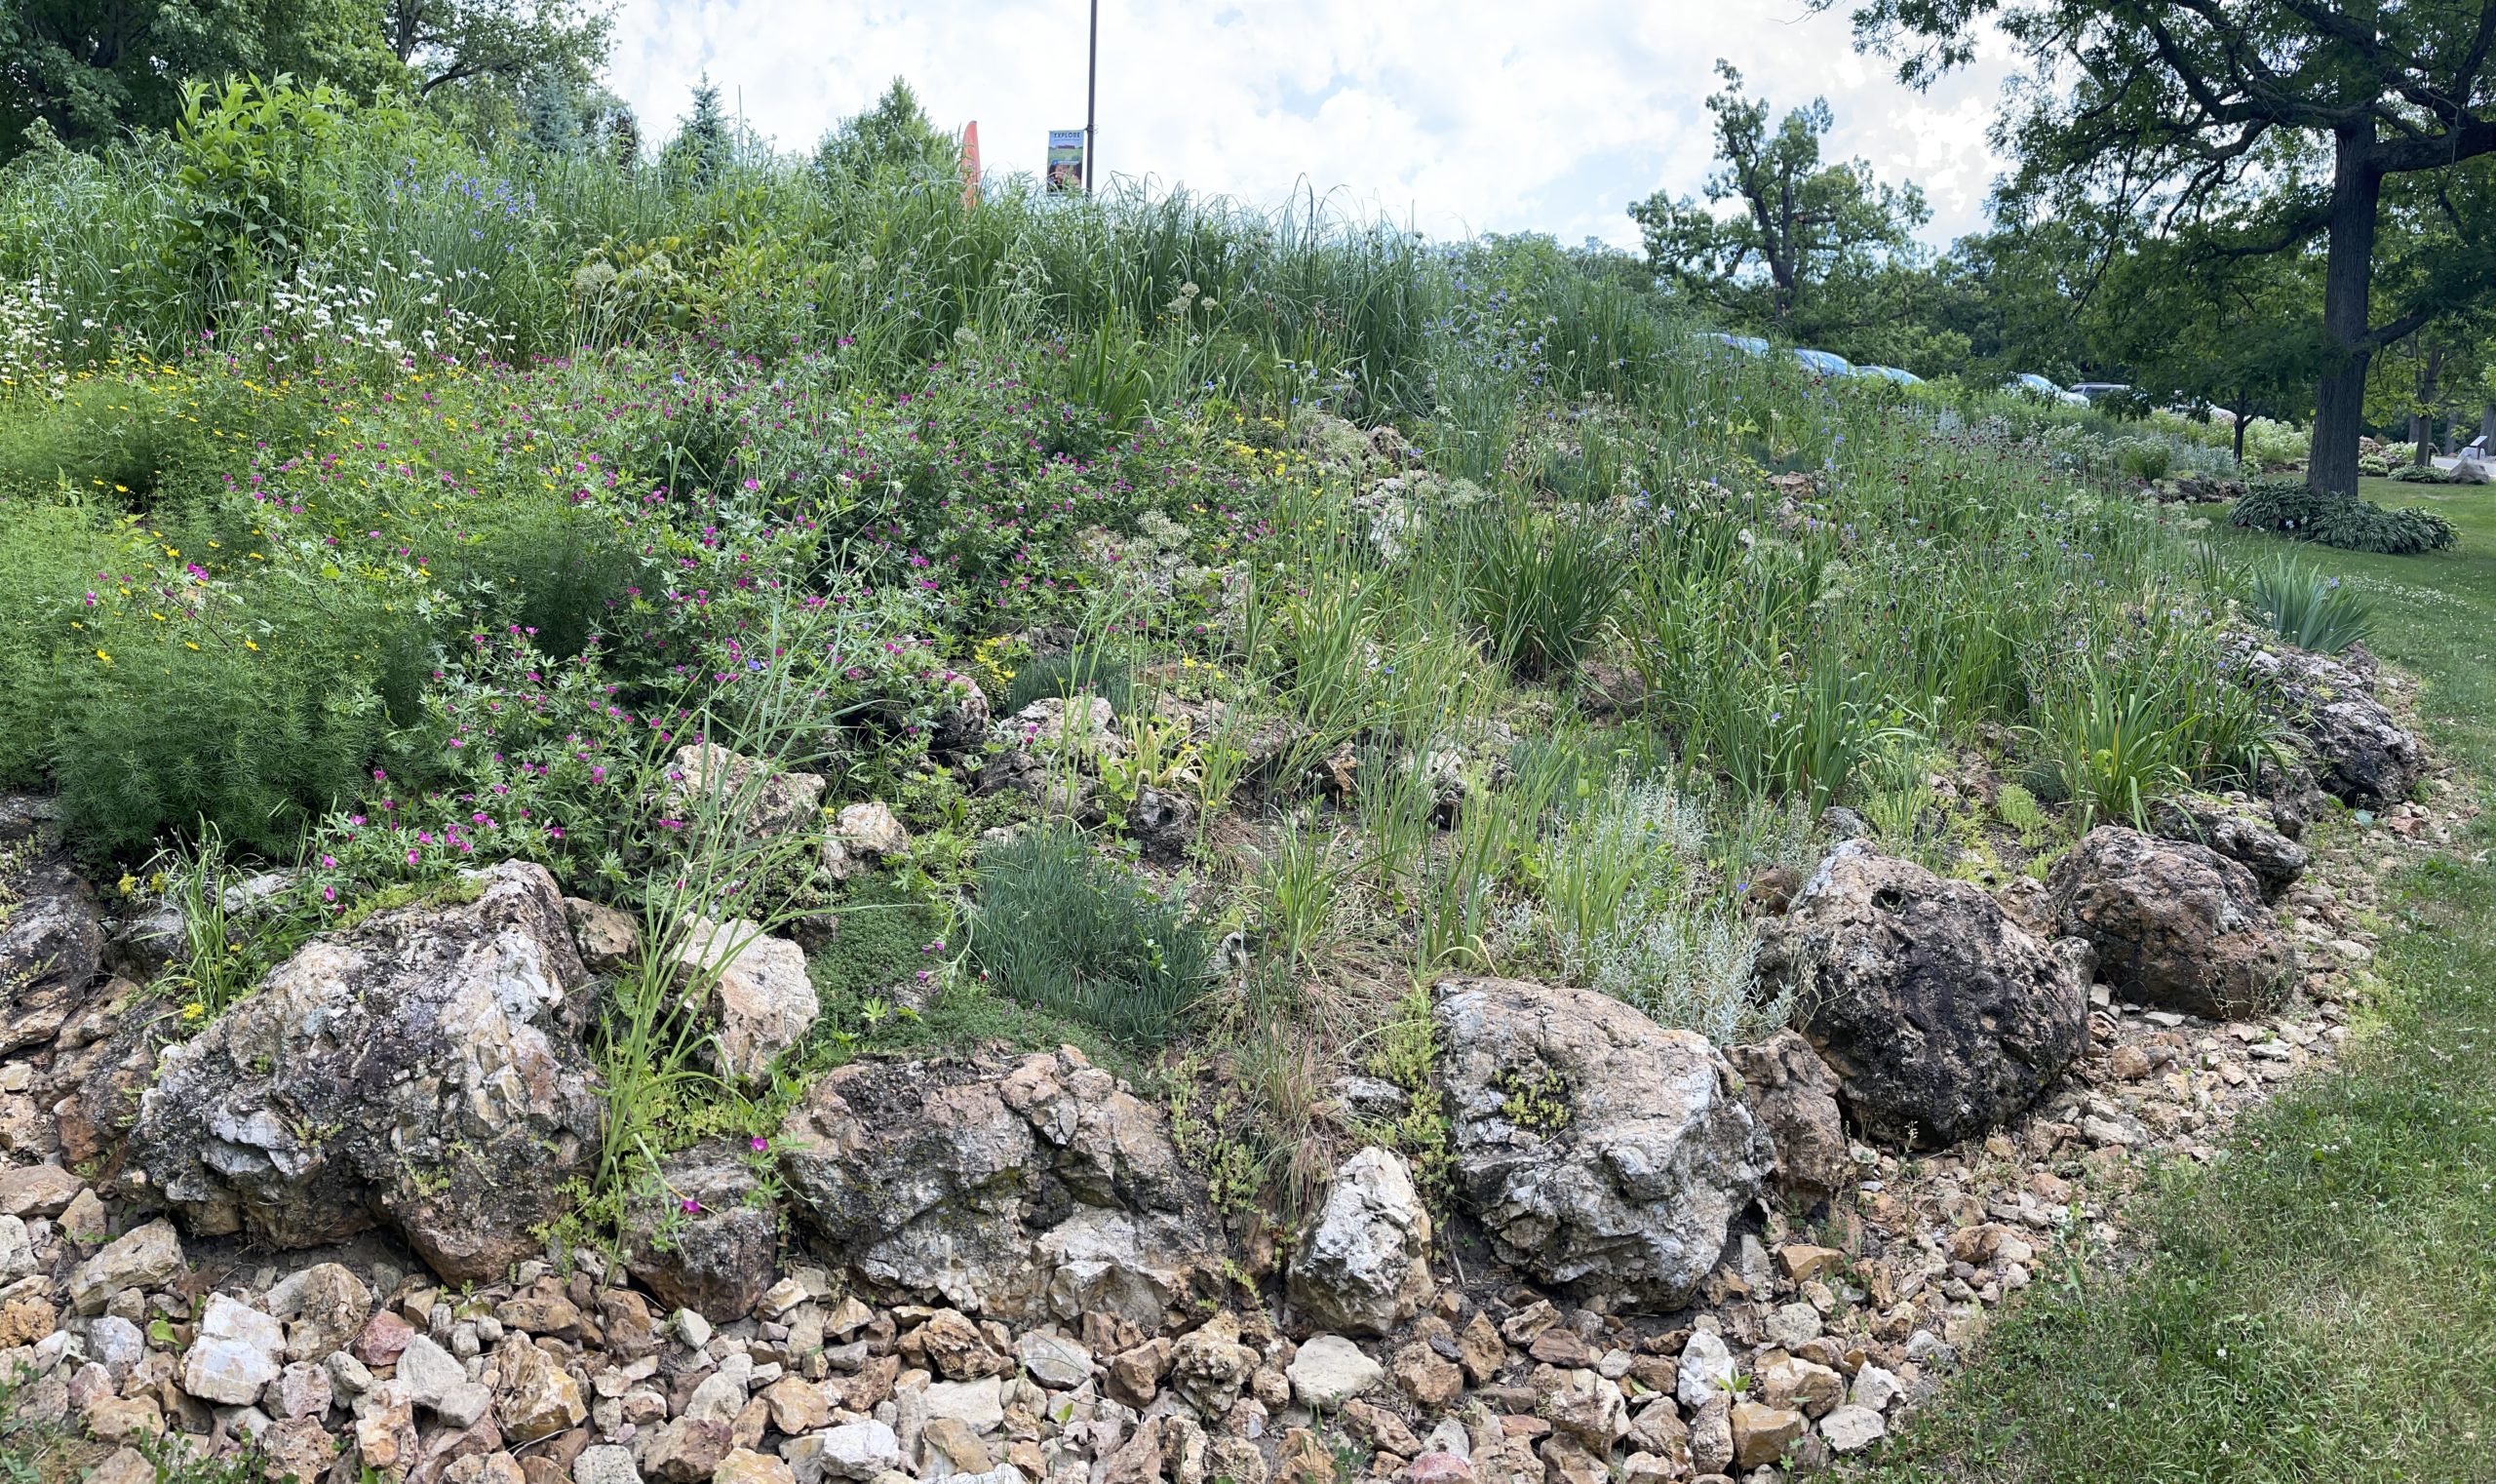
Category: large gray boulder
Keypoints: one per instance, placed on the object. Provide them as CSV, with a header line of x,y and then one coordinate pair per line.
x,y
1597,1148
1940,1016
52,934
2174,924
1037,1190
419,1071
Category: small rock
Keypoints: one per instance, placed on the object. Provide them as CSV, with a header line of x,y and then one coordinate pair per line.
x,y
148,1257
1707,1370
235,1354
428,1371
1330,1369
383,1339
605,1464
1053,1360
37,1189
1763,1433
853,1450
744,1465
1851,1430
687,1451
606,937
976,1404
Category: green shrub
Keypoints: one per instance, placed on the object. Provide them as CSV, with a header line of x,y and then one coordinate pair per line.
x,y
1541,588
257,749
2145,459
2420,474
2289,508
2309,610
1060,928
49,559
1076,671
555,569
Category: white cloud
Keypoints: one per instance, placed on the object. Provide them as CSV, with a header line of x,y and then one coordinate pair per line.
x,y
1457,115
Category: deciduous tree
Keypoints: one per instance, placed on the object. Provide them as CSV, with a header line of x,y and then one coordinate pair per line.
x,y
2283,120
1809,248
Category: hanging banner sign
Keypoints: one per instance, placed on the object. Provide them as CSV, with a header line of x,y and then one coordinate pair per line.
x,y
1066,159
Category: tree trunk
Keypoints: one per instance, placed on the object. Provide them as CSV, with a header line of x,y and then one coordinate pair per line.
x,y
2422,424
2487,425
2348,276
2242,418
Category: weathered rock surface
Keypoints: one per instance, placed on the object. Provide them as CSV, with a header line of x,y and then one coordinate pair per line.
x,y
1040,1189
1793,1094
2362,756
52,934
767,799
419,1070
720,1255
2236,831
1048,748
2174,924
1939,1015
863,837
1364,1267
1595,1147
756,986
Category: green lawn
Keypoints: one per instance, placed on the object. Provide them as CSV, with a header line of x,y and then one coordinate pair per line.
x,y
2322,1305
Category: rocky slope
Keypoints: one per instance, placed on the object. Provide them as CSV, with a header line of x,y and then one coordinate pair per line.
x,y
317,1225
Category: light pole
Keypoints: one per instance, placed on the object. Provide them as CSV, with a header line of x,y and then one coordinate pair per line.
x,y
1091,93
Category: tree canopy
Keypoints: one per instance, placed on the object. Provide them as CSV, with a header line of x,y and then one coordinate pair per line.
x,y
2259,128
91,69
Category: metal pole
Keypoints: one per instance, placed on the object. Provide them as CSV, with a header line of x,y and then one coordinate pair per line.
x,y
1091,93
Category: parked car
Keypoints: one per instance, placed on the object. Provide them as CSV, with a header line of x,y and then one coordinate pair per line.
x,y
1824,363
1890,373
1748,345
2037,386
2096,391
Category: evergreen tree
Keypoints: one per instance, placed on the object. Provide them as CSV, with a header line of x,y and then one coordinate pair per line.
x,y
551,113
894,135
702,143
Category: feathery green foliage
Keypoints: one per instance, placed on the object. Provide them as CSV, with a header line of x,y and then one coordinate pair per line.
x,y
1061,929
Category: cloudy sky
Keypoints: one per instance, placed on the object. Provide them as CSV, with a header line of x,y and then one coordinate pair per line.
x,y
1454,115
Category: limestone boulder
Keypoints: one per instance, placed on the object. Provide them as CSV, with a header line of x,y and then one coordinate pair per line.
x,y
1793,1094
1364,1267
2243,831
755,985
765,800
863,837
1939,1015
420,1072
1024,1191
704,1237
2361,755
1596,1148
52,933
